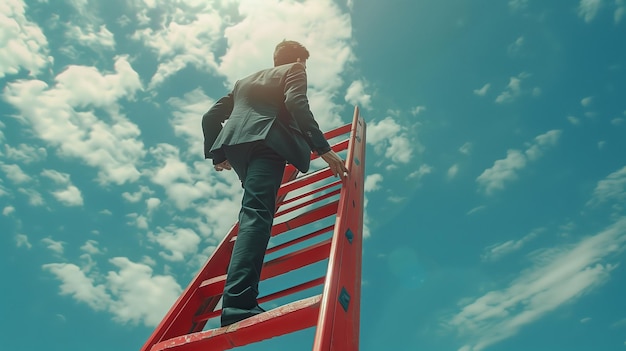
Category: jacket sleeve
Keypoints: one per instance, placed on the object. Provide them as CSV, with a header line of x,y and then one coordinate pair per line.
x,y
212,126
297,104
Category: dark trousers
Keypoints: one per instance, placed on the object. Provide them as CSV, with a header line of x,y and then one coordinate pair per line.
x,y
260,170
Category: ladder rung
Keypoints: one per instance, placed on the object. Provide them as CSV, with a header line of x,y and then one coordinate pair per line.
x,y
300,239
309,202
281,265
317,190
306,218
310,178
338,131
277,295
279,321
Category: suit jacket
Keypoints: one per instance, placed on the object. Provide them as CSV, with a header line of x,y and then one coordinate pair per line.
x,y
269,105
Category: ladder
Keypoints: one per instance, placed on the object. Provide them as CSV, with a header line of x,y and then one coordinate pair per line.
x,y
335,313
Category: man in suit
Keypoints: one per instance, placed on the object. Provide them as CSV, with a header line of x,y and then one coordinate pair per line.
x,y
269,123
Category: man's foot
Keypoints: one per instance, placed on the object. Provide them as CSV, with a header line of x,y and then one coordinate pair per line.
x,y
231,315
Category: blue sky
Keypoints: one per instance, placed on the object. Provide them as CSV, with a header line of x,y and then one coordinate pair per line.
x,y
496,170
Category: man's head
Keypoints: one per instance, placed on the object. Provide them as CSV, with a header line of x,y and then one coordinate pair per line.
x,y
288,51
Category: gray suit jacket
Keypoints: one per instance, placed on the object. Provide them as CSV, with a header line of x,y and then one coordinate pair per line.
x,y
269,105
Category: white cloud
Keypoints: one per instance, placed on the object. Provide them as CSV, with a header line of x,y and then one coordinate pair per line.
x,y
79,286
34,197
517,5
391,139
466,149
91,247
586,102
21,240
453,171
612,188
588,9
178,241
89,36
620,10
138,195
132,293
573,120
557,277
15,174
70,196
152,203
8,210
186,119
420,172
53,245
513,89
497,251
482,91
56,176
417,110
25,153
617,121
22,43
516,46
502,171
372,182
505,170
64,116
355,95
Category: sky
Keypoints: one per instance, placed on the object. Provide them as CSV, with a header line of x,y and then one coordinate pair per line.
x,y
495,171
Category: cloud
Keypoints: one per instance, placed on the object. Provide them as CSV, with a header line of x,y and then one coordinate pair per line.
x,y
65,117
516,46
186,116
497,251
372,182
22,43
453,171
56,176
34,197
25,153
53,245
8,210
21,240
586,102
573,120
391,139
482,91
138,195
513,89
355,95
420,172
91,37
620,11
179,242
417,110
610,189
132,293
517,5
557,277
70,196
15,174
91,247
506,170
466,149
588,9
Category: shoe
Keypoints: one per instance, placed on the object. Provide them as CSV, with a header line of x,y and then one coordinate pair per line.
x,y
231,315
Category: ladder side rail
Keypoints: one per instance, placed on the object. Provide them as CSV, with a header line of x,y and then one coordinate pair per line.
x,y
338,320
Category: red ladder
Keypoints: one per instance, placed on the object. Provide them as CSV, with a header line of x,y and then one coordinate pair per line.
x,y
335,313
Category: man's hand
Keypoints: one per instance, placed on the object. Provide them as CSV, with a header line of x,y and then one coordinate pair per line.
x,y
336,164
223,166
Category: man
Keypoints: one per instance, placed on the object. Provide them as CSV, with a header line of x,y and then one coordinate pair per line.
x,y
269,123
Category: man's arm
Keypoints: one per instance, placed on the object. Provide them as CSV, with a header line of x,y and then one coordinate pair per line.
x,y
298,105
212,126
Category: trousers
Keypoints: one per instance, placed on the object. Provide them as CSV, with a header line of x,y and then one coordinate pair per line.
x,y
260,170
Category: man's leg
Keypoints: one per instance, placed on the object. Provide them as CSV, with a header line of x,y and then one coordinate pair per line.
x,y
263,175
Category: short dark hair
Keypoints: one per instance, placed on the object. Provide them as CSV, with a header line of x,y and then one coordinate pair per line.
x,y
288,51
